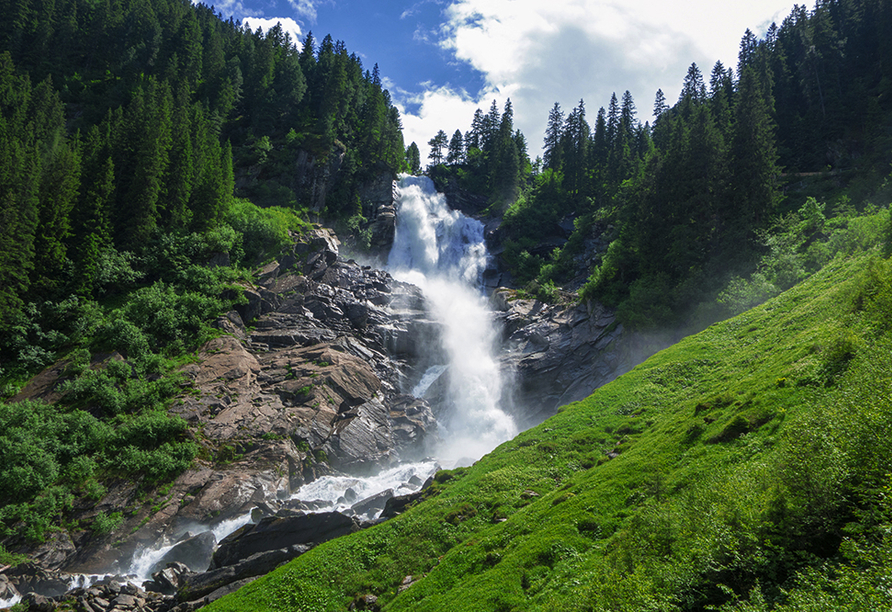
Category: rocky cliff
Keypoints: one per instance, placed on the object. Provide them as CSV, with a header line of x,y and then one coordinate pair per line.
x,y
561,353
306,380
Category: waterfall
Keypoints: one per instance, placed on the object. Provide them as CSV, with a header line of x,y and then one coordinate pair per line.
x,y
442,251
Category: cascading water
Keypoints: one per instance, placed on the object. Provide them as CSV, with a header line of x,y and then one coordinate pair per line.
x,y
443,252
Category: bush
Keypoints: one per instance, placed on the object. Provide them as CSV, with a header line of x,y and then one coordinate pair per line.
x,y
103,523
171,320
46,454
263,230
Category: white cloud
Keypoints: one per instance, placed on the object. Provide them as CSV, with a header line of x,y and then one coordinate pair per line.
x,y
288,24
230,8
439,108
539,53
304,8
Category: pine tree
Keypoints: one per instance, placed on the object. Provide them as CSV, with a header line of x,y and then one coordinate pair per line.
x,y
413,159
754,152
504,172
574,144
456,153
59,183
660,105
437,144
551,157
693,90
89,220
747,51
612,120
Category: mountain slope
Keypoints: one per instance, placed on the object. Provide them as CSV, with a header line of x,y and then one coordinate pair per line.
x,y
744,460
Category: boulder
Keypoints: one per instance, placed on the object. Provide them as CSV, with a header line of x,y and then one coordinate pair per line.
x,y
273,533
398,504
195,553
7,588
170,579
372,505
197,586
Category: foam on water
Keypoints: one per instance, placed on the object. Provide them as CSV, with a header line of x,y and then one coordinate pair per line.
x,y
443,252
331,489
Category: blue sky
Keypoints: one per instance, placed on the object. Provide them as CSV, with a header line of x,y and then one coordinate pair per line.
x,y
442,59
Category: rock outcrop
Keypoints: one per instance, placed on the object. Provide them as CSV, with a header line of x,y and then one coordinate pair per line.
x,y
558,354
307,381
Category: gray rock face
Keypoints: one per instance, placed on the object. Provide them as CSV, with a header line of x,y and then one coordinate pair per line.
x,y
313,386
277,532
371,505
196,586
195,553
560,354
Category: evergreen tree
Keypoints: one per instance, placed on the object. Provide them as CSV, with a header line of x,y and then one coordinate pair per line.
x,y
90,225
660,105
474,140
504,174
413,159
456,152
747,51
437,144
612,120
693,90
20,173
574,144
754,152
551,157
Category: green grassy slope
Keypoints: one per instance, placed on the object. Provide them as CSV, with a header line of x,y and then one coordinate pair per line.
x,y
744,467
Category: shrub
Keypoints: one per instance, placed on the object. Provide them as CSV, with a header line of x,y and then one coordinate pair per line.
x,y
103,523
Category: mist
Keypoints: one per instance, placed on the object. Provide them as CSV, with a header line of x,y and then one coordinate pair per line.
x,y
443,252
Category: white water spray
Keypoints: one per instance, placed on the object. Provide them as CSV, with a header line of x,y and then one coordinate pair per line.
x,y
443,252
8,603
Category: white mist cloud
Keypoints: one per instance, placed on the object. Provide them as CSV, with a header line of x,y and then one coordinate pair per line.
x,y
439,108
288,24
228,8
538,53
304,8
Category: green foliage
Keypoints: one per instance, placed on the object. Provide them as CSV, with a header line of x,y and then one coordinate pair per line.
x,y
106,523
263,230
47,454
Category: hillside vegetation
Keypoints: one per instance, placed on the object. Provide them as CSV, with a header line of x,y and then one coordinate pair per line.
x,y
745,467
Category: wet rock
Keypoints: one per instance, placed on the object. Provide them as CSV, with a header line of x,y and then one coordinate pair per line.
x,y
227,589
197,586
195,553
38,603
124,601
170,579
560,354
7,588
371,505
274,532
400,503
32,578
365,602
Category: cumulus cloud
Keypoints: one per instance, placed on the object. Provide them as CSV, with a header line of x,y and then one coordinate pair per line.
x,y
227,8
436,108
538,53
288,24
304,8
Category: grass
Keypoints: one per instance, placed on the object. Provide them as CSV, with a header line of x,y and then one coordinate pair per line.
x,y
698,479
